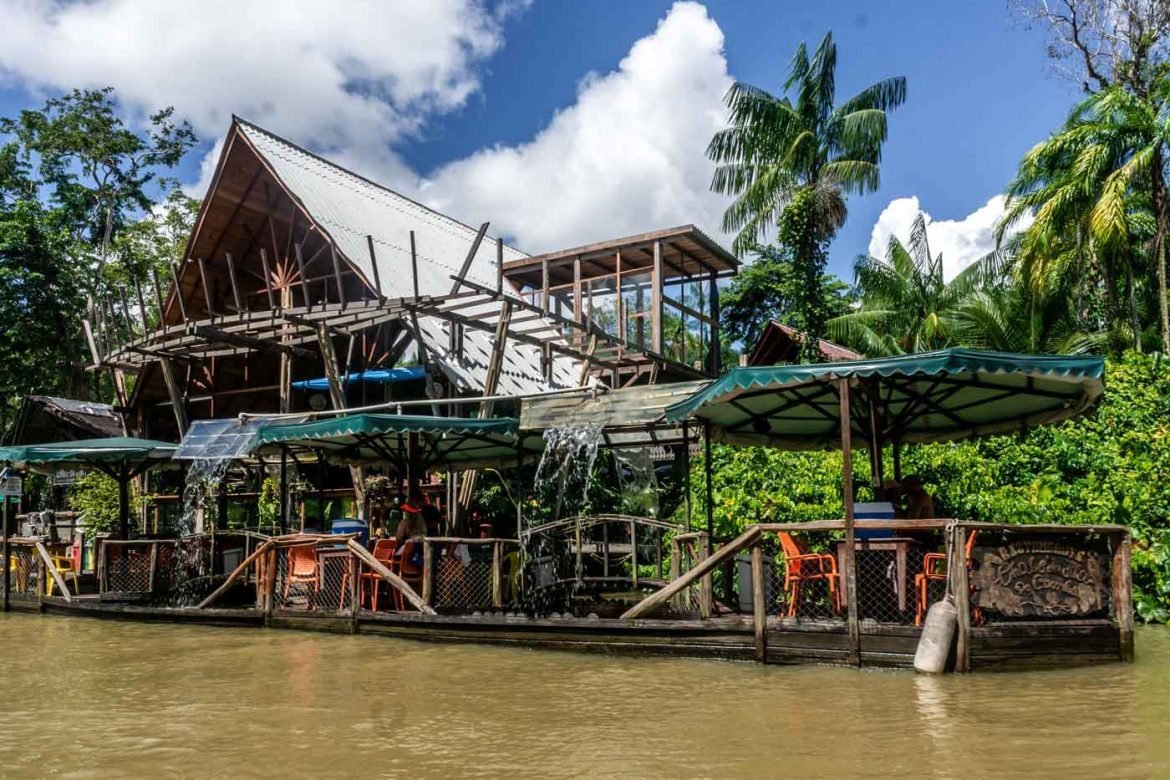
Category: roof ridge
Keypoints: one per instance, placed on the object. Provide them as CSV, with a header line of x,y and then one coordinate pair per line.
x,y
364,179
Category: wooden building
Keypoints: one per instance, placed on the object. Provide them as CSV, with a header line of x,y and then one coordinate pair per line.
x,y
299,269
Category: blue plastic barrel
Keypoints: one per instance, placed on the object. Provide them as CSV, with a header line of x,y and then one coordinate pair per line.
x,y
874,510
351,525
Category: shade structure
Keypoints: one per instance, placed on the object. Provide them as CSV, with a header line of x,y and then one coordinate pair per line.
x,y
363,438
114,456
932,396
120,457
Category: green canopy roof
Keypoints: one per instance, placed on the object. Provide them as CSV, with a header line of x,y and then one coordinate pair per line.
x,y
384,437
931,396
117,456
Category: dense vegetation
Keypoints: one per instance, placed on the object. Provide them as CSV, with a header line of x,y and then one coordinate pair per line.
x,y
1086,273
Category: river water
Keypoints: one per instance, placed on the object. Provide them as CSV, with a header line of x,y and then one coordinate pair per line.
x,y
88,698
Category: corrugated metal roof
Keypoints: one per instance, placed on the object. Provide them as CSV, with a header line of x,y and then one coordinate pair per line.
x,y
349,208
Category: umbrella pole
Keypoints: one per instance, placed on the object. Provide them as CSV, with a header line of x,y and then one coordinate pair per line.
x,y
686,456
124,506
847,557
877,469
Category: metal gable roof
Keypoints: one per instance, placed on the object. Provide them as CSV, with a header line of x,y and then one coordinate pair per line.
x,y
349,208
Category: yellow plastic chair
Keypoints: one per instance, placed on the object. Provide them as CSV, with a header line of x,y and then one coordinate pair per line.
x,y
64,567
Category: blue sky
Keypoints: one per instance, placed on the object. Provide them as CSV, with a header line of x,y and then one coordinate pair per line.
x,y
460,128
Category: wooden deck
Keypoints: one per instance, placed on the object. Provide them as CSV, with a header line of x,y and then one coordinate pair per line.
x,y
728,637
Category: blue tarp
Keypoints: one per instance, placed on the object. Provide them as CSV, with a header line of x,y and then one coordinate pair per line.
x,y
375,376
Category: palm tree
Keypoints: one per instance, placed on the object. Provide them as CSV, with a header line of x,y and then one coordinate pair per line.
x,y
1098,191
906,303
790,163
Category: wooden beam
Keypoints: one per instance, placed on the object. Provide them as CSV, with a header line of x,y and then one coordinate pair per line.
x,y
304,284
337,276
395,581
467,260
748,537
656,293
206,287
158,298
269,280
177,405
248,342
337,396
1123,594
759,608
231,264
374,265
48,562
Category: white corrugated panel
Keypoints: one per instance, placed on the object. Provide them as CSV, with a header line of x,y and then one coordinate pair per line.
x,y
349,208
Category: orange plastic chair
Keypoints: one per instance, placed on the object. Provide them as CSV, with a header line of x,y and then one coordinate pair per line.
x,y
801,566
411,573
304,568
384,554
934,569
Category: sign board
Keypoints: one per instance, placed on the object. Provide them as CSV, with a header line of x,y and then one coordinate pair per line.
x,y
1041,579
65,477
12,486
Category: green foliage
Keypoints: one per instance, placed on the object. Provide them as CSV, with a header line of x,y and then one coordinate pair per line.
x,y
1110,467
769,288
790,162
95,496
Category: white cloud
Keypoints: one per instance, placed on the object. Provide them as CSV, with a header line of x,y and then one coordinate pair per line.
x,y
959,241
349,82
356,84
628,156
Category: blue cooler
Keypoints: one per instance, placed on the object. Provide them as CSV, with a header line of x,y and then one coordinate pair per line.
x,y
350,525
874,510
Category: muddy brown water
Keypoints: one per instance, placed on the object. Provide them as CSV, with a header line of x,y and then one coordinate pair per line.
x,y
88,698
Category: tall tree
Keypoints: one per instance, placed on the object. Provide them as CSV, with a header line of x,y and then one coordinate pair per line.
x,y
769,288
1099,178
906,303
100,171
791,162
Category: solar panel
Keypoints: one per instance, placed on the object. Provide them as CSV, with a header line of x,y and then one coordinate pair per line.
x,y
218,439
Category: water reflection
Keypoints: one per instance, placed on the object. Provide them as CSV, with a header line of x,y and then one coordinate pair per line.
x,y
98,699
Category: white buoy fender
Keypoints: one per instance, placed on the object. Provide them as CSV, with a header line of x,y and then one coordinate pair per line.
x,y
938,631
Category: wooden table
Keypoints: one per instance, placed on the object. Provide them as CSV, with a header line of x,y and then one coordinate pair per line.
x,y
900,546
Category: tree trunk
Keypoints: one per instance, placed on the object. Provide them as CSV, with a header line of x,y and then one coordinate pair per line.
x,y
1159,196
1131,297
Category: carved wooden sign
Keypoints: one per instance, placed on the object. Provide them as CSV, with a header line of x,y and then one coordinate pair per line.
x,y
1041,579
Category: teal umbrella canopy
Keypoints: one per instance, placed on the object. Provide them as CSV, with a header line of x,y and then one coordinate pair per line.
x,y
932,396
115,456
361,438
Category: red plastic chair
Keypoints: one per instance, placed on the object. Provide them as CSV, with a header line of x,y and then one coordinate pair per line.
x,y
802,566
411,573
384,554
304,568
934,569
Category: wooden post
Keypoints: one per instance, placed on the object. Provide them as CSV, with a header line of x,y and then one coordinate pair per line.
x,y
158,299
961,590
471,253
1123,595
354,592
633,552
236,297
179,292
675,567
337,396
705,591
206,286
337,277
177,405
497,574
428,583
304,279
500,266
710,483
578,304
847,556
153,566
7,563
270,584
268,280
124,506
716,354
374,265
759,608
656,301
